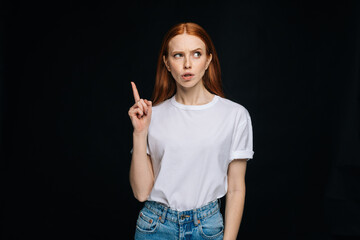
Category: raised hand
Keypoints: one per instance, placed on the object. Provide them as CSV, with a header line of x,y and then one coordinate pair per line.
x,y
140,112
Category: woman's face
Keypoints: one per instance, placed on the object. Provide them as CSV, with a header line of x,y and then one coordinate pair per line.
x,y
187,60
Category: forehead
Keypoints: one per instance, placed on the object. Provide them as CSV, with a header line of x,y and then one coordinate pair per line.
x,y
185,42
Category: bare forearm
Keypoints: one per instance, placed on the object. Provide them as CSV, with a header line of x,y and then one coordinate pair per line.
x,y
233,213
141,173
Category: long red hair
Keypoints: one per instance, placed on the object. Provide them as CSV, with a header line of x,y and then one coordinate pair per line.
x,y
165,86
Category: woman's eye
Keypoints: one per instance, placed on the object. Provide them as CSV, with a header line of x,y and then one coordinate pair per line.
x,y
178,55
197,54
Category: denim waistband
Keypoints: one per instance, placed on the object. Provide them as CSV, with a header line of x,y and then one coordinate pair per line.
x,y
195,215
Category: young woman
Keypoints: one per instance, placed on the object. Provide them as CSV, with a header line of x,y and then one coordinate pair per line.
x,y
190,145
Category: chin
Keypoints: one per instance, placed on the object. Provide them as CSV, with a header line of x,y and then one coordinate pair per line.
x,y
188,84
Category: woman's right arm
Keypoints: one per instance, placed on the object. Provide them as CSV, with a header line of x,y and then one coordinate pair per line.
x,y
141,171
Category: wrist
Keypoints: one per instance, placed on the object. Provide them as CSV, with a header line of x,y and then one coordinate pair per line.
x,y
140,133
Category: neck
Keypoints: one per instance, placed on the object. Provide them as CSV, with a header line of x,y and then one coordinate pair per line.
x,y
196,95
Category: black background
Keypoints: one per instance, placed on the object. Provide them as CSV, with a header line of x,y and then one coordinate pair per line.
x,y
65,71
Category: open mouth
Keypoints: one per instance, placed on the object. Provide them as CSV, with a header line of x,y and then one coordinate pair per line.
x,y
187,76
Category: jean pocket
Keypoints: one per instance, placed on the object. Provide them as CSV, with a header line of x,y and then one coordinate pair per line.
x,y
212,227
147,221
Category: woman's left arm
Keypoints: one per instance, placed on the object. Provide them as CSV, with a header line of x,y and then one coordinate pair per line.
x,y
235,198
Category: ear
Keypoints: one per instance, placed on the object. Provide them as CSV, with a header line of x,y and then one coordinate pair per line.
x,y
166,63
208,61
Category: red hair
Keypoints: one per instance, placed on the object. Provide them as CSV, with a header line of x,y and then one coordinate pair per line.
x,y
165,86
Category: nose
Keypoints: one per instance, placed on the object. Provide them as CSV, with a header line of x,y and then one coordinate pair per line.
x,y
187,62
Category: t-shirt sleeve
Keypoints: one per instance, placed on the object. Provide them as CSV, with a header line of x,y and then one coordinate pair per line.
x,y
242,138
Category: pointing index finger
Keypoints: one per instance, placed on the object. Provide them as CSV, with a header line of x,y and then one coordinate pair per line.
x,y
135,91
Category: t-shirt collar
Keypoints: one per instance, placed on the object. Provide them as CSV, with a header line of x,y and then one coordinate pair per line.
x,y
194,107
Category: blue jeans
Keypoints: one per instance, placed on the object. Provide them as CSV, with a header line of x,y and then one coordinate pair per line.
x,y
157,221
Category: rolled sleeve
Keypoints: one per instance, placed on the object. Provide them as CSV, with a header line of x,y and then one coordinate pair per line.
x,y
242,139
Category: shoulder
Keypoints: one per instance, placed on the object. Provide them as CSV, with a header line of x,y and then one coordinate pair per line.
x,y
161,106
233,106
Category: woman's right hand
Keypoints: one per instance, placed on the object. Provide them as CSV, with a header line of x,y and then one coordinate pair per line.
x,y
140,112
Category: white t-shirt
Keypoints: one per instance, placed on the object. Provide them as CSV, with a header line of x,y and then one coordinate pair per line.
x,y
191,147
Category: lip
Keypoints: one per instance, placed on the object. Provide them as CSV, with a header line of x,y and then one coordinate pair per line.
x,y
188,77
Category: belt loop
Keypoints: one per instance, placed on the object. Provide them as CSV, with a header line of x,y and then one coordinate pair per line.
x,y
196,221
162,218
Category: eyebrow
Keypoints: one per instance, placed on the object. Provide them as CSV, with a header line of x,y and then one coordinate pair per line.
x,y
190,51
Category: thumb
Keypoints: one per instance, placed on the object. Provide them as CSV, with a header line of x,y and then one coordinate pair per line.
x,y
149,104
